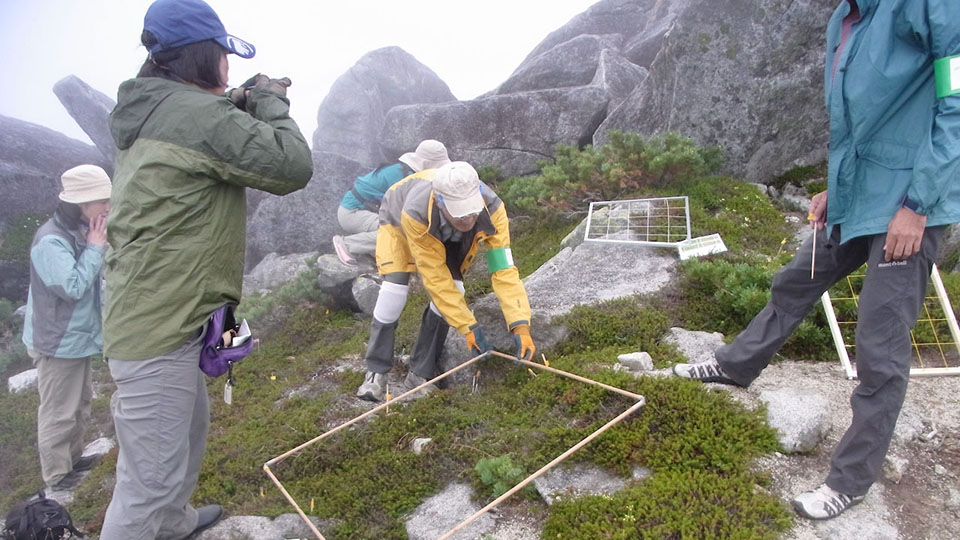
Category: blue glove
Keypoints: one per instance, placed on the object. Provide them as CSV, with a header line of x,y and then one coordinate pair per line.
x,y
476,342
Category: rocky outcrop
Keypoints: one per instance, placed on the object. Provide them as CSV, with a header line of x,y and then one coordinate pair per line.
x,y
351,116
587,274
743,75
512,132
276,270
617,76
91,110
571,63
32,158
305,220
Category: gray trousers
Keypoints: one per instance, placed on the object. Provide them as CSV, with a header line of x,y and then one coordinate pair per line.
x,y
66,391
161,418
889,304
361,228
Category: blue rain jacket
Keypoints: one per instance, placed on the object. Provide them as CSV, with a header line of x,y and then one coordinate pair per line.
x,y
889,134
63,316
374,184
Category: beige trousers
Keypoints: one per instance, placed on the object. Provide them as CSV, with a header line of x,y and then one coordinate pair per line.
x,y
66,390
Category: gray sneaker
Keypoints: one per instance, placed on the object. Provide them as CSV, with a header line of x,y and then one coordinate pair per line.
x,y
374,386
412,381
824,502
708,371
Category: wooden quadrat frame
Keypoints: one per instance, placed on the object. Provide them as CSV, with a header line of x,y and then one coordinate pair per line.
x,y
639,402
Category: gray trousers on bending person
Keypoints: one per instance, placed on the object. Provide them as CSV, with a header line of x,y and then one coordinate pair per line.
x,y
66,391
889,304
361,228
161,420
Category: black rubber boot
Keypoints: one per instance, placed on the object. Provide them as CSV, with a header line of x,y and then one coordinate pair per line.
x,y
379,355
425,359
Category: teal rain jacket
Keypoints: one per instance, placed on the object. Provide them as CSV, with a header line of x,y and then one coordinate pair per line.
x,y
889,134
374,184
63,307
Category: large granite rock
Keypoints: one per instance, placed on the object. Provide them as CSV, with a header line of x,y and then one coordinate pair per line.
x,y
305,220
571,63
91,109
512,132
351,116
587,274
617,76
274,270
32,158
742,74
607,17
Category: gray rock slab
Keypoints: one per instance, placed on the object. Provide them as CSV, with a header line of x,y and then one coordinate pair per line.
x,y
695,345
636,361
705,82
799,415
618,76
99,447
571,63
444,511
351,115
587,274
305,220
512,132
284,527
365,290
576,481
91,109
276,270
25,381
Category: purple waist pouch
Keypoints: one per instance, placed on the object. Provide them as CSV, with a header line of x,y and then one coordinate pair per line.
x,y
216,357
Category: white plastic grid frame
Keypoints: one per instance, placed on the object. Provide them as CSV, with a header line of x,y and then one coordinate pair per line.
x,y
949,319
661,221
639,402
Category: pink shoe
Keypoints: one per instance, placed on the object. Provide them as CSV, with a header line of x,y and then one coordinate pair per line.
x,y
342,252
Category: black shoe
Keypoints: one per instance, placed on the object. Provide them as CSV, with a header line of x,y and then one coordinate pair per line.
x,y
207,516
85,463
69,481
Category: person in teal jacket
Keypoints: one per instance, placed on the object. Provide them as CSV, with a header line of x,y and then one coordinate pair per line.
x,y
358,214
62,328
892,188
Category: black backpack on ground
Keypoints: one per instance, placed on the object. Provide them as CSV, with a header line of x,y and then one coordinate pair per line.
x,y
39,519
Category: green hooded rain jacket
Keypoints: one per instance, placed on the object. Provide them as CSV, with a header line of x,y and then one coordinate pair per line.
x,y
178,213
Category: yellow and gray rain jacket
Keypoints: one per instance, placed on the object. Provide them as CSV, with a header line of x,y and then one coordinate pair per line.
x,y
409,240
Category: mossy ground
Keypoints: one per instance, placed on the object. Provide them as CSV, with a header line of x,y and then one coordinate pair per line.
x,y
698,442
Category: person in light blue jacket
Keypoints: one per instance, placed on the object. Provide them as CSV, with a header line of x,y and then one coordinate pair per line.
x,y
63,326
892,84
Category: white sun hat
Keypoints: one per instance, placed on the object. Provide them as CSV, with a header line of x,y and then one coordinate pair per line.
x,y
85,183
430,154
458,186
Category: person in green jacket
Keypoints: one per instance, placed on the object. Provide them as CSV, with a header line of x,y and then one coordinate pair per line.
x,y
62,326
359,211
186,153
892,187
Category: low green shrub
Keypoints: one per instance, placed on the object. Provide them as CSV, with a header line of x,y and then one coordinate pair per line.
x,y
624,323
499,474
681,504
15,242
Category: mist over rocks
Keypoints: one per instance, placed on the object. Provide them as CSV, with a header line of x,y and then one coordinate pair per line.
x,y
742,74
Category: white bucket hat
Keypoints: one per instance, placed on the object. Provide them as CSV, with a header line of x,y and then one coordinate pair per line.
x,y
85,183
458,185
430,154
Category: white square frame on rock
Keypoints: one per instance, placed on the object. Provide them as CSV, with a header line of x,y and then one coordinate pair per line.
x,y
639,402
